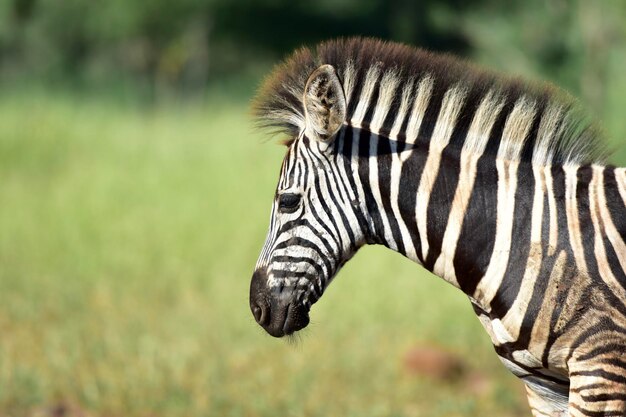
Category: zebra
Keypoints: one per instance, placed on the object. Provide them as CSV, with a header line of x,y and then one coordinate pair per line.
x,y
495,184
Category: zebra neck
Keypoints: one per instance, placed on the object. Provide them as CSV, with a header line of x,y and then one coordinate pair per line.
x,y
468,210
491,227
454,214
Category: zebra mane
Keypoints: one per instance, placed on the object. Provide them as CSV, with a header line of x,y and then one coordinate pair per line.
x,y
381,80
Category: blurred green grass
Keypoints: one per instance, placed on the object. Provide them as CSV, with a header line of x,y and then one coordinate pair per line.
x,y
129,236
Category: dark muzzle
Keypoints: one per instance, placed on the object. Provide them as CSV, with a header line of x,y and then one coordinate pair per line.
x,y
275,309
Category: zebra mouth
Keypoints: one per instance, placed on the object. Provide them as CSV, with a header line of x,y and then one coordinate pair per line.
x,y
277,315
296,318
278,320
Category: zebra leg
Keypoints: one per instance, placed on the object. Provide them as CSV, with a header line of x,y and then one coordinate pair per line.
x,y
598,390
543,406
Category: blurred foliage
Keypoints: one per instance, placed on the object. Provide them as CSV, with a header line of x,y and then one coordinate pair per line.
x,y
189,40
187,43
185,46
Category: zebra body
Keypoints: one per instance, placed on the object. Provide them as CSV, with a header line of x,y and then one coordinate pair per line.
x,y
489,183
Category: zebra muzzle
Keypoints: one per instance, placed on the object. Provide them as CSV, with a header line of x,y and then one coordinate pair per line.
x,y
279,313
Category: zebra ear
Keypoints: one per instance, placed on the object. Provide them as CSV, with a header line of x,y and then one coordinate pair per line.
x,y
324,104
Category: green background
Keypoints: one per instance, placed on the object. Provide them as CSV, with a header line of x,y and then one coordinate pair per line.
x,y
135,195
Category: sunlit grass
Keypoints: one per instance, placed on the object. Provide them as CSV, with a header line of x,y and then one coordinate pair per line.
x,y
127,241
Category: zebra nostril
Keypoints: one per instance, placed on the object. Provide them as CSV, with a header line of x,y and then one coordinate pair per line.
x,y
260,312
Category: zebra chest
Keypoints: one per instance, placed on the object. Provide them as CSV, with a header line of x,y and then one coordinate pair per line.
x,y
550,383
514,359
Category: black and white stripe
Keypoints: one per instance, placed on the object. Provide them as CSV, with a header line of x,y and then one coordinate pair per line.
x,y
489,183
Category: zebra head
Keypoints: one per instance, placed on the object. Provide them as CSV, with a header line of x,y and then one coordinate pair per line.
x,y
314,227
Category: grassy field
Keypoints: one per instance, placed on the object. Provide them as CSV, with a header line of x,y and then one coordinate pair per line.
x,y
127,241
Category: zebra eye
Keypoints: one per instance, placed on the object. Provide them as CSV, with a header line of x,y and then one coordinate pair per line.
x,y
288,203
